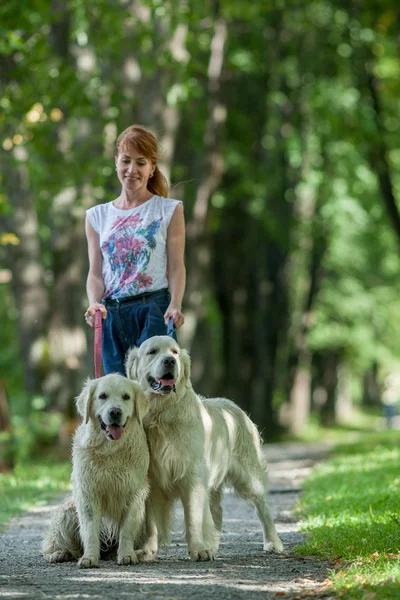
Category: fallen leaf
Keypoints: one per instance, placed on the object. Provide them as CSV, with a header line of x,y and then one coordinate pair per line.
x,y
338,562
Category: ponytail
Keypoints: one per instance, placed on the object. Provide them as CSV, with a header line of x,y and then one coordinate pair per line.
x,y
158,184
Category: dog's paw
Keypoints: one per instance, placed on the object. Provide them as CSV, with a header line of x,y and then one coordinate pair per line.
x,y
146,554
88,562
128,559
275,546
201,555
58,556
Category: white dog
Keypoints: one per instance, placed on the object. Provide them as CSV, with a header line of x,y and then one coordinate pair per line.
x,y
197,447
110,461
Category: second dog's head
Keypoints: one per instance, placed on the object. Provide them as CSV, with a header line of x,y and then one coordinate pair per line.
x,y
111,401
159,365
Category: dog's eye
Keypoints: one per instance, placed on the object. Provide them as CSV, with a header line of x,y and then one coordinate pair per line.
x,y
126,397
175,352
103,396
152,351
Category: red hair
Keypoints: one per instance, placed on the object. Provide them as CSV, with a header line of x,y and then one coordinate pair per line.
x,y
145,142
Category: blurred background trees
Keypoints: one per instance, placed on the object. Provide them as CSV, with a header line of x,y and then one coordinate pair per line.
x,y
279,123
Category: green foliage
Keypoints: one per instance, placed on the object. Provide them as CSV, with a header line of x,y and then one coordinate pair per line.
x,y
351,508
10,369
36,434
31,485
295,149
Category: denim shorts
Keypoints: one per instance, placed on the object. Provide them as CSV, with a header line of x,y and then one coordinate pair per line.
x,y
129,322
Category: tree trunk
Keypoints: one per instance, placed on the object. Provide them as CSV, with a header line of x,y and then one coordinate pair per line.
x,y
296,414
198,252
330,365
298,411
6,441
28,285
344,404
372,389
377,154
70,358
378,158
68,361
234,299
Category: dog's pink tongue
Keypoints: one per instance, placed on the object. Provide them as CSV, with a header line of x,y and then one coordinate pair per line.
x,y
167,381
115,431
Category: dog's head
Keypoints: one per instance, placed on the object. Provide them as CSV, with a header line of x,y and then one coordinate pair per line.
x,y
159,365
110,402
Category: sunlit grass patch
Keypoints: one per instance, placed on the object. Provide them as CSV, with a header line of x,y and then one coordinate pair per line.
x,y
359,422
374,578
31,484
351,511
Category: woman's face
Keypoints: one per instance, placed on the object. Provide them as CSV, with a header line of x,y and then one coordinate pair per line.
x,y
133,169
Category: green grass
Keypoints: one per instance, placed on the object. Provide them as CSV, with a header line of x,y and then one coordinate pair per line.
x,y
359,422
31,484
351,511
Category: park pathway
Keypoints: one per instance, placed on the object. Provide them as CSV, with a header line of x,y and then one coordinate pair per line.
x,y
241,570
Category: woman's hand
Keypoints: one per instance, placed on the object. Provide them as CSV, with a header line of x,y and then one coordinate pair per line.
x,y
91,312
173,311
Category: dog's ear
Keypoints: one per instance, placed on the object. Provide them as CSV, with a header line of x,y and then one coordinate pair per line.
x,y
85,399
131,363
141,403
185,360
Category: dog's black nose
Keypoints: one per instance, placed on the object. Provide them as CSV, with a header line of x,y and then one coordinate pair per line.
x,y
169,361
115,413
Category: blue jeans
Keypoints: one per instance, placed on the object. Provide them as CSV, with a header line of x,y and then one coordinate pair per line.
x,y
130,322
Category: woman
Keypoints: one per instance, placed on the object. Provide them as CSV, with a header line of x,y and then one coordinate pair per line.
x,y
136,253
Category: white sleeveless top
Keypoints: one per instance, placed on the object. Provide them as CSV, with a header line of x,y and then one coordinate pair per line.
x,y
133,245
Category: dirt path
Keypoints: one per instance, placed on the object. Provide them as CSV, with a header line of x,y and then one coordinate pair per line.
x,y
241,571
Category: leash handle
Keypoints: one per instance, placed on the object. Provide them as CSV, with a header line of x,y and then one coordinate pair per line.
x,y
98,324
170,327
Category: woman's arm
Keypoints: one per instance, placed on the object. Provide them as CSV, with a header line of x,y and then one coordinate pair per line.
x,y
176,271
95,282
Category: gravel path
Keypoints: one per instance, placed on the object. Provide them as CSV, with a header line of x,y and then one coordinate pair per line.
x,y
241,570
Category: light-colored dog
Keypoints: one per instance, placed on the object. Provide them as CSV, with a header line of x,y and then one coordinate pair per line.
x,y
110,461
197,447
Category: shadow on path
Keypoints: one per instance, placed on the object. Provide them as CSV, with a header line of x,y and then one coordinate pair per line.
x,y
241,571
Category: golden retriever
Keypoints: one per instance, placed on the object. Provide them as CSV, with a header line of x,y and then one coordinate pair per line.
x,y
197,447
110,461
